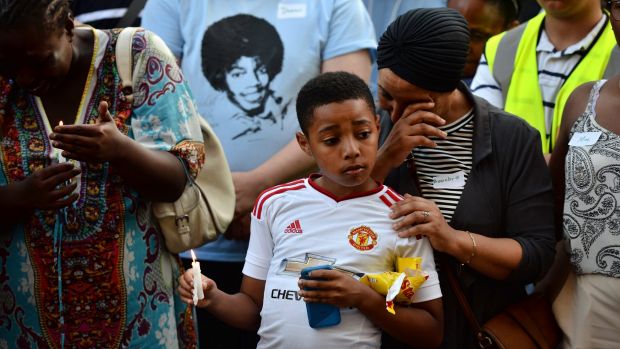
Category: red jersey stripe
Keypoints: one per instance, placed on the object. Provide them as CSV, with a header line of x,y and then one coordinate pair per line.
x,y
394,195
254,210
385,200
265,197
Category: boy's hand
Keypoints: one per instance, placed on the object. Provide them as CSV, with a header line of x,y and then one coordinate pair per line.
x,y
334,288
43,189
186,287
91,143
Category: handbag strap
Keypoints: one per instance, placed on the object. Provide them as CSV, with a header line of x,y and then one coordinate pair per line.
x,y
124,63
484,341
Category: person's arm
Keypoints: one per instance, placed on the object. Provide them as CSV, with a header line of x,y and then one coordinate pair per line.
x,y
349,37
484,84
157,175
419,326
289,163
241,310
357,63
526,248
575,105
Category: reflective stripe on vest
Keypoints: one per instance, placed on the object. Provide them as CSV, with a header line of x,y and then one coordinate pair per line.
x,y
522,94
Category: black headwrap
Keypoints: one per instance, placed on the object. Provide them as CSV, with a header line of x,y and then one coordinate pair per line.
x,y
426,47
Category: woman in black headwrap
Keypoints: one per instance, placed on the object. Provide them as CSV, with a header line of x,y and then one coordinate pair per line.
x,y
480,189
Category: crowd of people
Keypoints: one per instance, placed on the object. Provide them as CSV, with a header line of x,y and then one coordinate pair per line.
x,y
359,134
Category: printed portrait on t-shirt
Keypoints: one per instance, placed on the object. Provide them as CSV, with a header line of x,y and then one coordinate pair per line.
x,y
241,55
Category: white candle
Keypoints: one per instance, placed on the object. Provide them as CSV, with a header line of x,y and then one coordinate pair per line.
x,y
58,152
197,291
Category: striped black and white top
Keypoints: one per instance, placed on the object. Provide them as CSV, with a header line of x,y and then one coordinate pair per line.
x,y
451,157
554,68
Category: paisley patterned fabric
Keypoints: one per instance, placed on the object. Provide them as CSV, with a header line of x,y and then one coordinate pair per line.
x,y
97,274
592,200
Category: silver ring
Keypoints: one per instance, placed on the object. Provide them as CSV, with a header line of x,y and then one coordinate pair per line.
x,y
426,214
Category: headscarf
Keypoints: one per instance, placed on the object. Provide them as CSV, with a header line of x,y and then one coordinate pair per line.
x,y
427,48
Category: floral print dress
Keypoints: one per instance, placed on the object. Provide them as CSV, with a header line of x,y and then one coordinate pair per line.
x,y
97,274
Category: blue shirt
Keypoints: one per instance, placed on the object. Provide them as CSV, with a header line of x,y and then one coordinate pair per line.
x,y
253,113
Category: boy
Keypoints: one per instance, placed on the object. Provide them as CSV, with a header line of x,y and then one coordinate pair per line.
x,y
339,217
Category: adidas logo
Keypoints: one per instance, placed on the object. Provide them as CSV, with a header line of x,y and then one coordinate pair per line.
x,y
293,228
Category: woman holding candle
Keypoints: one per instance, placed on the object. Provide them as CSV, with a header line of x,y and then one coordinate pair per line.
x,y
88,269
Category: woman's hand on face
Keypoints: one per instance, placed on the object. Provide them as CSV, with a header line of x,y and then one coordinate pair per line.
x,y
48,187
412,130
417,216
91,143
334,287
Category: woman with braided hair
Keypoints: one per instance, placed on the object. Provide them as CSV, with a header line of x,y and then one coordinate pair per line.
x,y
82,264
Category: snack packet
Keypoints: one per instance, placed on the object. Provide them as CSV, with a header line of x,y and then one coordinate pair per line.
x,y
400,286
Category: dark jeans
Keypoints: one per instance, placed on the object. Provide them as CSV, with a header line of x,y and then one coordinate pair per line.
x,y
212,333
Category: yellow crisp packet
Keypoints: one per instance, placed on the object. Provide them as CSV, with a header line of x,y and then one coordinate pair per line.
x,y
398,287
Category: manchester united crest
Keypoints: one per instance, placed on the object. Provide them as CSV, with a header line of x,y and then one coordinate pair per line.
x,y
363,238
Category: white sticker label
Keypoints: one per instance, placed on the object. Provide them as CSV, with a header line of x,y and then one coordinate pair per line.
x,y
286,11
581,139
450,181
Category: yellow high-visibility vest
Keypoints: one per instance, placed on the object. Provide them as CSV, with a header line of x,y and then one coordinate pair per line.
x,y
521,90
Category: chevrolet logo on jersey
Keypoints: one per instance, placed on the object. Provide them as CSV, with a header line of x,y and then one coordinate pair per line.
x,y
293,267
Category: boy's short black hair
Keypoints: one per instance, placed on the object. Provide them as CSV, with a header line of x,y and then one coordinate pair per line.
x,y
329,88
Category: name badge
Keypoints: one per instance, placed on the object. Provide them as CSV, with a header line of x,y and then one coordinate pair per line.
x,y
581,139
449,181
286,11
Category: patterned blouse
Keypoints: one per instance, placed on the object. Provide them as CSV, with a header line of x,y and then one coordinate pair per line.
x,y
97,274
592,200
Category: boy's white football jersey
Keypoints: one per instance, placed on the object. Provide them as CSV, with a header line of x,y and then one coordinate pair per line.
x,y
298,224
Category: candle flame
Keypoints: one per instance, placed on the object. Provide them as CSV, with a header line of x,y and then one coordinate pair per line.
x,y
193,255
60,123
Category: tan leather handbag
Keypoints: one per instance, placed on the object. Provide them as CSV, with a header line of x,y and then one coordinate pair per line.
x,y
527,324
207,205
